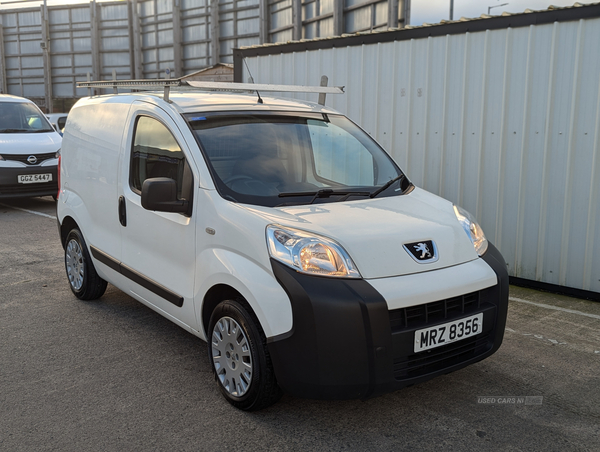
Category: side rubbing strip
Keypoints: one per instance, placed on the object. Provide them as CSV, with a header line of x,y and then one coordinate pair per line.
x,y
137,277
106,259
152,286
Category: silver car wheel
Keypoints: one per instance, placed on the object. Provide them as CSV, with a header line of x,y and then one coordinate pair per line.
x,y
231,356
74,261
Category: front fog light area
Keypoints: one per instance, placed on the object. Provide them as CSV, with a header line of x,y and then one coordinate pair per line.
x,y
309,253
473,230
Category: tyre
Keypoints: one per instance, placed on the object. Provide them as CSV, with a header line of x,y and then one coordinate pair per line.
x,y
83,279
237,350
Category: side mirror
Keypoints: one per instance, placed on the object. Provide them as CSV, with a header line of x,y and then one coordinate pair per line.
x,y
160,194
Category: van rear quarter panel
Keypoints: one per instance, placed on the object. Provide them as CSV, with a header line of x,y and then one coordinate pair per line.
x,y
90,168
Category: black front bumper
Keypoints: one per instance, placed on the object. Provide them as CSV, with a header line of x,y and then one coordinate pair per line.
x,y
346,344
11,188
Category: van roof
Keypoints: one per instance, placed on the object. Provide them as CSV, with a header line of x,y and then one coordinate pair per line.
x,y
198,101
185,101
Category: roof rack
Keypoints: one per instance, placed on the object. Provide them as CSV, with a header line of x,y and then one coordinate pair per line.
x,y
167,84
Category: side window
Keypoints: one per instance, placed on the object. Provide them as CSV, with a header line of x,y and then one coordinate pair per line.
x,y
331,145
62,121
156,153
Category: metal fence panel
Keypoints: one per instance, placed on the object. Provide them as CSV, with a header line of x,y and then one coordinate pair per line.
x,y
22,53
238,25
70,37
195,29
115,40
157,37
144,38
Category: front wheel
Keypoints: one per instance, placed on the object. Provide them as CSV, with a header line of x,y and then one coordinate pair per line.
x,y
85,283
237,349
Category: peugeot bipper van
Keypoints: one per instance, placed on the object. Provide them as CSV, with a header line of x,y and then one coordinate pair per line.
x,y
283,235
29,149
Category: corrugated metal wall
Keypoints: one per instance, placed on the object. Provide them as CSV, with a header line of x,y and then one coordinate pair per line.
x,y
504,122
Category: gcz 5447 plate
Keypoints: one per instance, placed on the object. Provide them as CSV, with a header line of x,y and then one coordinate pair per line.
x,y
447,333
34,178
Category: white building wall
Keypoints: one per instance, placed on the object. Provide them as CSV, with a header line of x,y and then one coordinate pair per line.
x,y
505,123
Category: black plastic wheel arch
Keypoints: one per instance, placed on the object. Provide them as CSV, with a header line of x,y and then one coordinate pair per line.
x,y
340,339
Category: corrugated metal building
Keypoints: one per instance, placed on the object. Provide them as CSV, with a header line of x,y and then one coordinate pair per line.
x,y
499,115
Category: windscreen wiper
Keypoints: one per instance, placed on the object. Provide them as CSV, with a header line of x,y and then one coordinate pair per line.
x,y
386,185
13,130
325,193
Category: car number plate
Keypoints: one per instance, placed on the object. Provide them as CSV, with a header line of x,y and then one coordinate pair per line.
x,y
34,178
447,333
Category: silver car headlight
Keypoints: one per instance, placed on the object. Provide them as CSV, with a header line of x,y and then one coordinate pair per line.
x,y
309,253
472,229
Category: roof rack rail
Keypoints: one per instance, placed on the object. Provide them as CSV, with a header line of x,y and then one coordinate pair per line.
x,y
167,84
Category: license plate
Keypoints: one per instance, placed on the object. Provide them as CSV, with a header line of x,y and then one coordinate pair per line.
x,y
447,333
34,178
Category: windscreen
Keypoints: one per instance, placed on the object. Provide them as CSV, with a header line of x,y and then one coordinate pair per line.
x,y
282,159
22,117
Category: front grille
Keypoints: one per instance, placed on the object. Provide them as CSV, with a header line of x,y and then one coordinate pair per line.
x,y
431,313
441,358
405,321
23,157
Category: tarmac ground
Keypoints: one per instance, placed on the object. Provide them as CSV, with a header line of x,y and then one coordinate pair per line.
x,y
112,375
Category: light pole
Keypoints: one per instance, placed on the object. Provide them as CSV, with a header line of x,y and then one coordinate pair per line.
x,y
497,6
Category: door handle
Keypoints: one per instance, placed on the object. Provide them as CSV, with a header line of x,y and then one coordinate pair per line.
x,y
122,211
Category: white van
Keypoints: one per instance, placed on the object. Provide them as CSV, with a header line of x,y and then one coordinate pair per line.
x,y
283,235
29,150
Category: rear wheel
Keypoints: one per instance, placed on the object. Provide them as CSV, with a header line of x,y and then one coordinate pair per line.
x,y
237,349
83,279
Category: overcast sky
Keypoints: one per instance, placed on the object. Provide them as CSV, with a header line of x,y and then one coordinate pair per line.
x,y
431,11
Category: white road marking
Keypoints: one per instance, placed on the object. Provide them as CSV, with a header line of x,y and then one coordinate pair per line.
x,y
30,211
538,336
556,308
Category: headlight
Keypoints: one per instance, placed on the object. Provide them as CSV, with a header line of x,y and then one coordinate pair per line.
x,y
57,154
472,229
309,253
